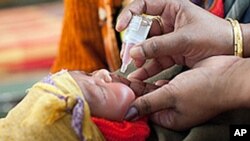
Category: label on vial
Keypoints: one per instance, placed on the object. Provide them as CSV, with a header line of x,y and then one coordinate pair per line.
x,y
138,29
135,23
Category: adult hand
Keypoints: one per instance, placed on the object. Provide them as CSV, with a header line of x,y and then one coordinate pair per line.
x,y
188,35
212,86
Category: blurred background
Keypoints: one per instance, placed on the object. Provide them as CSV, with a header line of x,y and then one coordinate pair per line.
x,y
29,37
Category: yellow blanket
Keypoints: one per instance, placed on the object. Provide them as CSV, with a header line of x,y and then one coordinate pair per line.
x,y
53,110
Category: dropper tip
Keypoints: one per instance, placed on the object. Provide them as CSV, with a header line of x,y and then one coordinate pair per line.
x,y
123,68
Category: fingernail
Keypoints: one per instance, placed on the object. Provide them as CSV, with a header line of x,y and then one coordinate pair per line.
x,y
157,83
131,114
137,52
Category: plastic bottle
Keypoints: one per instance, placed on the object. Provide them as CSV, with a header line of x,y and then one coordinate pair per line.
x,y
136,32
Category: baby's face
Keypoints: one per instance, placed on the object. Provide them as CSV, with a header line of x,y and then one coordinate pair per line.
x,y
106,98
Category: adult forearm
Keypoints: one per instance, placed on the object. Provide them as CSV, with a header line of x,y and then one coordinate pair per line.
x,y
246,39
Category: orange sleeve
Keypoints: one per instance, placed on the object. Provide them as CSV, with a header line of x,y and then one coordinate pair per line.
x,y
81,46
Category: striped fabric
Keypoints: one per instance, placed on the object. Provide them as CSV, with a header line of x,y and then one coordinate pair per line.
x,y
8,3
29,36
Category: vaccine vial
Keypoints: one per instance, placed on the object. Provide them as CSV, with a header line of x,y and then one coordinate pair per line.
x,y
136,32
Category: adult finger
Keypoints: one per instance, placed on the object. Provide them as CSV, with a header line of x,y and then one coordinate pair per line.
x,y
167,118
136,7
160,99
171,119
169,44
151,68
138,87
119,79
161,82
155,7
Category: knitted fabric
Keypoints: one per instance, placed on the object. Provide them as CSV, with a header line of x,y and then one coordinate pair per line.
x,y
123,131
81,46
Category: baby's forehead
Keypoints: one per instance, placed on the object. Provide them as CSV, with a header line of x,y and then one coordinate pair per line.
x,y
82,73
86,76
86,73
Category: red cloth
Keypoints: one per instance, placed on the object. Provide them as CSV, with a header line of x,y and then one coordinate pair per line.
x,y
123,131
217,8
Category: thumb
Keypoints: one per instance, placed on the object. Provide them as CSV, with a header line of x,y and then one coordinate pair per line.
x,y
157,100
155,47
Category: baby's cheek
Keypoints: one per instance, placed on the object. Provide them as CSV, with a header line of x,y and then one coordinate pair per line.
x,y
113,103
123,97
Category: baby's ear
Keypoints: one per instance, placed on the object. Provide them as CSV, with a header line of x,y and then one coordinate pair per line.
x,y
48,109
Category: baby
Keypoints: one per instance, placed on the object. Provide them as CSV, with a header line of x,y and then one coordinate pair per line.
x,y
76,106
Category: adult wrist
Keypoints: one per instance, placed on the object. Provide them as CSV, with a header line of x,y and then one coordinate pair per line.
x,y
228,38
246,39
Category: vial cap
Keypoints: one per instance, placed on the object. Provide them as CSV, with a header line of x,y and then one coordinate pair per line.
x,y
138,29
